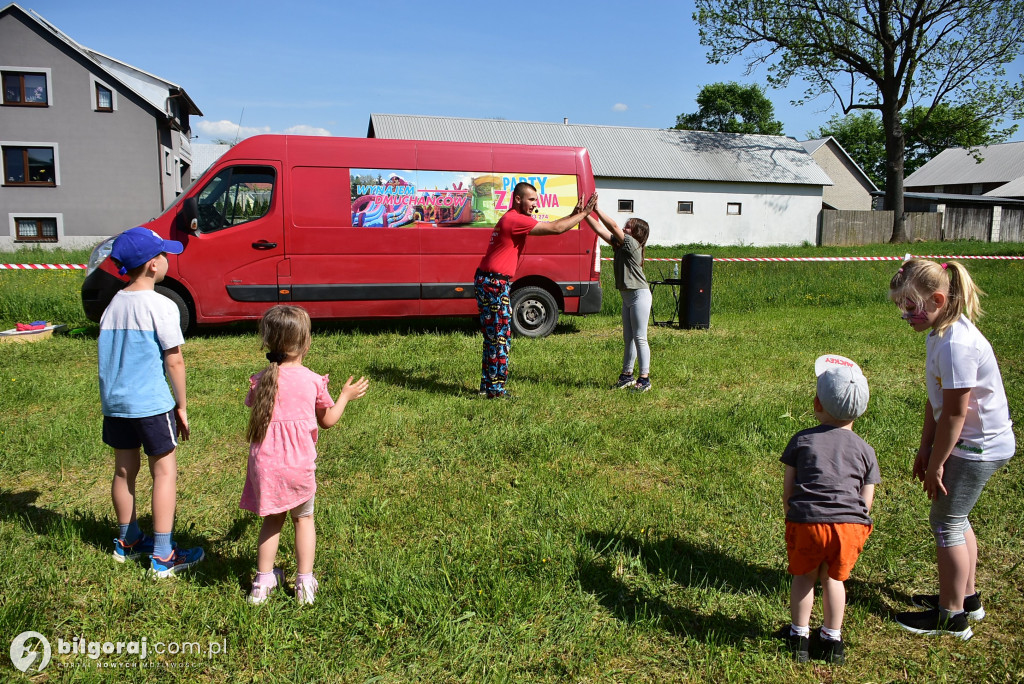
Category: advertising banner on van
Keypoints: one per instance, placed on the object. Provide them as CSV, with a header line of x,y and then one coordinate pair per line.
x,y
391,198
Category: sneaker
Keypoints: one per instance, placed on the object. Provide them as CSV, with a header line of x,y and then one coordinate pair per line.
x,y
178,561
261,592
934,622
143,546
624,381
833,651
800,647
305,590
972,604
642,385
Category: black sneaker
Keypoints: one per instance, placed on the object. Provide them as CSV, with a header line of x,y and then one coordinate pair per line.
x,y
935,621
642,385
972,604
833,651
624,381
800,647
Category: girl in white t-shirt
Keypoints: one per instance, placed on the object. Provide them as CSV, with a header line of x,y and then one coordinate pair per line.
x,y
967,434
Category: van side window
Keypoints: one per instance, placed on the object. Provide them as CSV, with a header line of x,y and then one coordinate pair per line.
x,y
236,195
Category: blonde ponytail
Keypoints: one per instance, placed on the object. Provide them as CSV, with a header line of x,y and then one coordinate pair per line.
x,y
917,279
284,333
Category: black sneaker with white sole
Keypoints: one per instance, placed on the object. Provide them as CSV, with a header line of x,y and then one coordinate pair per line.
x,y
972,604
833,651
935,621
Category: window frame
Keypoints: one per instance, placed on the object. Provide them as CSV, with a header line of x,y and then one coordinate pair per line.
x,y
681,210
24,145
22,72
625,206
15,216
98,107
729,208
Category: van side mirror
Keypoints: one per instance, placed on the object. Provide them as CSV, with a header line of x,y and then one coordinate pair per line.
x,y
188,217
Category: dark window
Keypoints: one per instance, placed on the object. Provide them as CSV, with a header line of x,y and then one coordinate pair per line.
x,y
25,88
733,208
28,229
104,99
237,194
29,166
626,205
684,207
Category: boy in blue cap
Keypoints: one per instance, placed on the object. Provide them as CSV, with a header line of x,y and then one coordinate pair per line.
x,y
139,344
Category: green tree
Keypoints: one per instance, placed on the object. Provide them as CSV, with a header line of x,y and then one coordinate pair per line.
x,y
927,132
732,108
882,55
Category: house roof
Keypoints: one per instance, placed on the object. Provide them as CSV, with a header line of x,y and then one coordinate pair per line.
x,y
623,152
152,89
1014,188
955,166
812,146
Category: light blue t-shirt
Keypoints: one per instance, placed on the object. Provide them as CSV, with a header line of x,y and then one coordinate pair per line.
x,y
135,330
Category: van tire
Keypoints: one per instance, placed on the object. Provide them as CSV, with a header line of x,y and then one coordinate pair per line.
x,y
184,313
534,312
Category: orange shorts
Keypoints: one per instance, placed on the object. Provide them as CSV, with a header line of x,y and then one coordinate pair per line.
x,y
808,545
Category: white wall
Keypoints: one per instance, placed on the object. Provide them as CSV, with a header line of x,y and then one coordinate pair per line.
x,y
772,214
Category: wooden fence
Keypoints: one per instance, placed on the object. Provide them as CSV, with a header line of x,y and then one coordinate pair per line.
x,y
955,223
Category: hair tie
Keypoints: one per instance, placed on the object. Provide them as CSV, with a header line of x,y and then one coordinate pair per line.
x,y
276,357
944,266
899,271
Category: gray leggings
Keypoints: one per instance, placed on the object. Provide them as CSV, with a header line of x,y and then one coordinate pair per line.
x,y
636,309
964,481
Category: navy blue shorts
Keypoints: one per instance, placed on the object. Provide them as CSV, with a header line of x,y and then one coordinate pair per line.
x,y
155,434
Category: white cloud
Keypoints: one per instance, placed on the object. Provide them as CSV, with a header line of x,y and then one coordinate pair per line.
x,y
619,107
227,130
303,129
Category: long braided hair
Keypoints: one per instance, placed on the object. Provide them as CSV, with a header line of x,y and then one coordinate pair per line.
x,y
284,333
917,279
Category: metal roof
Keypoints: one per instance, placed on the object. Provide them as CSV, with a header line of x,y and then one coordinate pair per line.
x,y
623,152
1014,188
955,166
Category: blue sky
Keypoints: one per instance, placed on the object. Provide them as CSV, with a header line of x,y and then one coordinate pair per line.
x,y
323,67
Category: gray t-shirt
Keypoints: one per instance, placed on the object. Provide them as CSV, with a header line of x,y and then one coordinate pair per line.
x,y
628,265
832,464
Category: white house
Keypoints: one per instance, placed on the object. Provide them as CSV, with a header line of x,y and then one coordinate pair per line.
x,y
690,186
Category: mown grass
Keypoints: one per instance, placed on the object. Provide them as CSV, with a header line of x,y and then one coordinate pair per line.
x,y
577,534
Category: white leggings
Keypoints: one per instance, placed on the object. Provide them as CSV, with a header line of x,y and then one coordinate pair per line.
x,y
636,309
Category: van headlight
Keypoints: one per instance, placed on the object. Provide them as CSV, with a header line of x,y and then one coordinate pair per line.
x,y
99,253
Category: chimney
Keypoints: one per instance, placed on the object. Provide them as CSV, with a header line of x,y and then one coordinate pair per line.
x,y
565,120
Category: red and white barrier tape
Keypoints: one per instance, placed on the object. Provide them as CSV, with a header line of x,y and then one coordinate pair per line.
x,y
42,267
81,267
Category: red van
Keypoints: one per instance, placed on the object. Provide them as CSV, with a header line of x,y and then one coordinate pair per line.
x,y
366,228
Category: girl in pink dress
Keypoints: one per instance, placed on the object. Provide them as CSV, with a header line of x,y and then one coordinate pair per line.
x,y
288,403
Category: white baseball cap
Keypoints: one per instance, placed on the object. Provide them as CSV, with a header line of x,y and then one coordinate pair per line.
x,y
842,387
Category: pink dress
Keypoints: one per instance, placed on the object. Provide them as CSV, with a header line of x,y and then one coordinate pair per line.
x,y
282,469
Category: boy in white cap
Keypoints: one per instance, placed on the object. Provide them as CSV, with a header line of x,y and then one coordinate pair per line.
x,y
139,351
829,487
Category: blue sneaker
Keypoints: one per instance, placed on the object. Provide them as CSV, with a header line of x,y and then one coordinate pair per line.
x,y
642,385
179,560
143,546
624,381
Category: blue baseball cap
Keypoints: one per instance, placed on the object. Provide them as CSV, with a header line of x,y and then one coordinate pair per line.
x,y
136,246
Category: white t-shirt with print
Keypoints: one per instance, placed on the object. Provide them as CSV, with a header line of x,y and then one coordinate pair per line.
x,y
960,358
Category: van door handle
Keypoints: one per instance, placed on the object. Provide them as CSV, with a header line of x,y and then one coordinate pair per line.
x,y
263,244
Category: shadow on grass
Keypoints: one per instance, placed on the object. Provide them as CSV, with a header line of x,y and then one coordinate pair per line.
x,y
690,565
401,377
99,533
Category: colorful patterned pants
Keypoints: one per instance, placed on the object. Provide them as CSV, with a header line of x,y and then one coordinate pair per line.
x,y
492,298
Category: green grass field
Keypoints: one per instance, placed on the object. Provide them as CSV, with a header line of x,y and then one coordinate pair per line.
x,y
576,534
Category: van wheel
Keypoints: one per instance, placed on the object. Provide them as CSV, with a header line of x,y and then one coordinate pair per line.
x,y
534,312
184,313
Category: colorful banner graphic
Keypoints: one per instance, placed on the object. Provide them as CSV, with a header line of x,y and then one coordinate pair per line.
x,y
391,198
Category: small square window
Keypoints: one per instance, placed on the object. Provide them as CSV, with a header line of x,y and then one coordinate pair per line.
x,y
104,99
29,229
25,88
626,205
734,208
684,207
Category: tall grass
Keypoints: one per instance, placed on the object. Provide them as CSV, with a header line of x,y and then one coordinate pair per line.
x,y
576,534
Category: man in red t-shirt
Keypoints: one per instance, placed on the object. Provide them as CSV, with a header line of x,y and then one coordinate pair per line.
x,y
496,271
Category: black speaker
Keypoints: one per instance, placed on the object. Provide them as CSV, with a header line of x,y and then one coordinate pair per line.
x,y
695,292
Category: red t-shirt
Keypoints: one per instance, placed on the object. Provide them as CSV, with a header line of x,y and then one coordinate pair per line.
x,y
507,242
